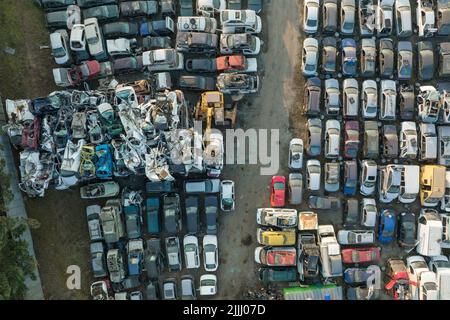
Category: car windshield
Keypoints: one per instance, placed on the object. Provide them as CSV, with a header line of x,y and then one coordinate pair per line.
x,y
190,248
59,52
92,40
278,186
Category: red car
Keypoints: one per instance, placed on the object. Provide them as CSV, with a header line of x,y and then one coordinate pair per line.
x,y
361,255
31,133
236,63
278,192
397,274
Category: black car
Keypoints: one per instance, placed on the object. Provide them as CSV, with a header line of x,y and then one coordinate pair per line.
x,y
93,3
160,187
49,5
153,43
127,65
138,8
255,5
152,291
172,213
407,229
351,213
197,83
211,212
201,65
102,13
120,29
426,65
192,215
186,8
154,258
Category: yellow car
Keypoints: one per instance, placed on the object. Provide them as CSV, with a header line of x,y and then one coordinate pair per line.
x,y
270,237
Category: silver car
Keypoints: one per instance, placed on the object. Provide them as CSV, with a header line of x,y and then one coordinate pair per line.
x,y
332,176
348,12
314,142
369,99
332,97
310,57
295,188
351,98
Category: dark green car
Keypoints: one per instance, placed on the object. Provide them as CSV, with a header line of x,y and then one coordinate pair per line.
x,y
267,275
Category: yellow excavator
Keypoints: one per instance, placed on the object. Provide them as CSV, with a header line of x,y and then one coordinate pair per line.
x,y
212,105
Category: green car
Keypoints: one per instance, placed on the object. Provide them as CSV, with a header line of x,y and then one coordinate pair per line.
x,y
277,274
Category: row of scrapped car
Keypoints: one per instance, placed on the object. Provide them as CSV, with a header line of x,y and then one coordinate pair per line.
x,y
377,17
371,58
292,239
106,226
118,40
318,250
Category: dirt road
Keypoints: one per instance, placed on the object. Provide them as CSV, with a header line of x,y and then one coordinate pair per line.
x,y
276,104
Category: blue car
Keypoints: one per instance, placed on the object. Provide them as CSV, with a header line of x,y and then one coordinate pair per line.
x,y
386,226
135,250
349,60
104,164
152,206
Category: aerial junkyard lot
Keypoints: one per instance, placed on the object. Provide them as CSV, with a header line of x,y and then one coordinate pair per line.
x,y
353,100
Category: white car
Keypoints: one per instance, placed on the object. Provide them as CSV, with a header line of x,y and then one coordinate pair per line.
x,y
119,47
403,16
197,24
210,253
210,7
369,212
332,139
425,18
311,16
313,171
191,252
296,154
237,21
388,100
350,98
78,38
163,60
352,237
369,99
227,197
59,42
208,285
348,16
310,57
368,177
385,17
94,39
416,267
408,140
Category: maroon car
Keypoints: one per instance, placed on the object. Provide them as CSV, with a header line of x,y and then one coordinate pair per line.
x,y
31,134
351,139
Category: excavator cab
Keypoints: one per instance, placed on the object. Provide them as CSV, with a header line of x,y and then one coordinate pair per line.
x,y
212,105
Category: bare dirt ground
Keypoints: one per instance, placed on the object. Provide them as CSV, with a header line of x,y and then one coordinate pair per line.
x,y
276,107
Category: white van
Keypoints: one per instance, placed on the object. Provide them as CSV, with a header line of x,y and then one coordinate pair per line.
x,y
429,233
240,21
409,183
445,218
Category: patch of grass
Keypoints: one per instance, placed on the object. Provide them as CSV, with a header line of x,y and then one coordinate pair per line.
x,y
12,35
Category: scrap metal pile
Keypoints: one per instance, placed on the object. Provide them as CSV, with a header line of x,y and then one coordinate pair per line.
x,y
118,130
